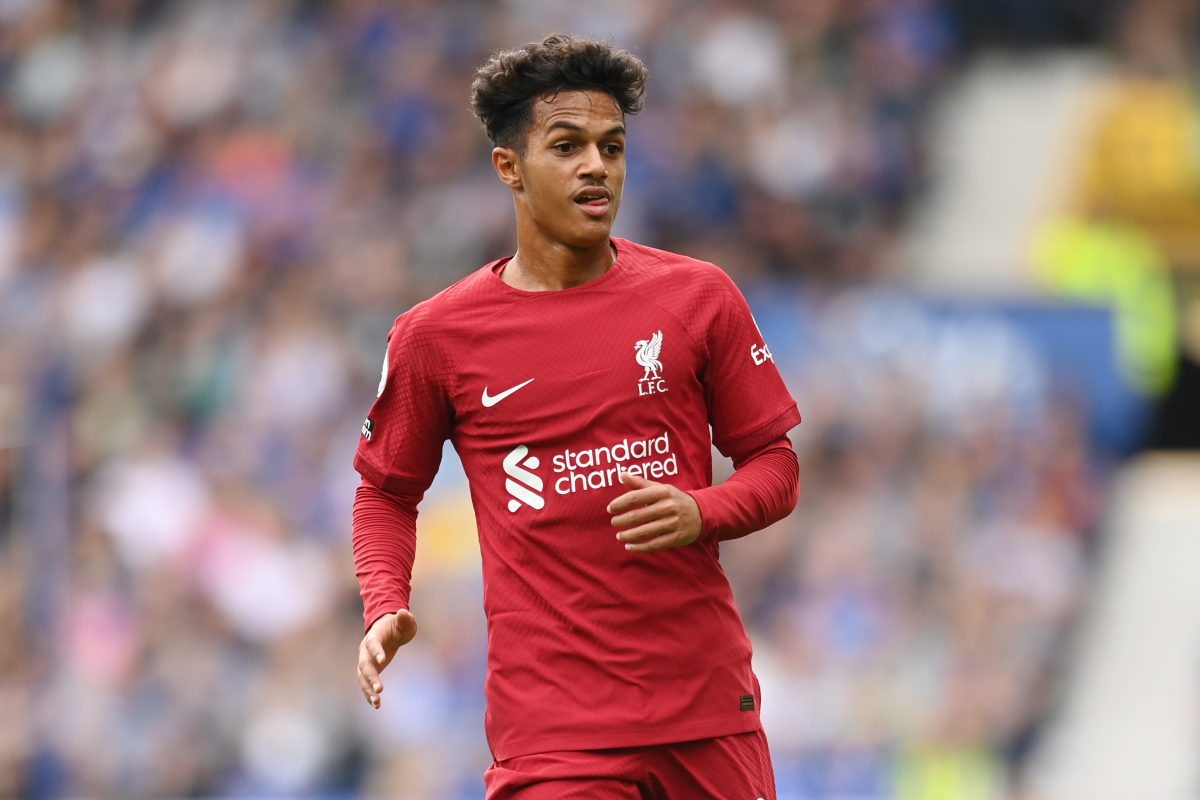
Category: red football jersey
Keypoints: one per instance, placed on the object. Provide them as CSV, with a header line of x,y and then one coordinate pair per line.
x,y
547,396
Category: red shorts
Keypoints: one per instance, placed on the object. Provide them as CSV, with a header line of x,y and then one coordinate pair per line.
x,y
734,767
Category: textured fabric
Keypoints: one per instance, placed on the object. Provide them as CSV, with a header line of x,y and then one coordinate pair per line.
x,y
762,491
547,396
385,546
724,768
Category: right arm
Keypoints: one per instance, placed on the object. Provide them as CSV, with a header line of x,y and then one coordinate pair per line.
x,y
385,544
398,455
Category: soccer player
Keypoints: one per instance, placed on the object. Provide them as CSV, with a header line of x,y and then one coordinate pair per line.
x,y
578,380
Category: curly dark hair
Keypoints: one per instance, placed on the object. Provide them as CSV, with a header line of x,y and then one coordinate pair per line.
x,y
506,85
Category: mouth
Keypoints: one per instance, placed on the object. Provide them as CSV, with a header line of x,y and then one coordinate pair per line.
x,y
594,200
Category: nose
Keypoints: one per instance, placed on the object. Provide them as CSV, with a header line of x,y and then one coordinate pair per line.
x,y
592,165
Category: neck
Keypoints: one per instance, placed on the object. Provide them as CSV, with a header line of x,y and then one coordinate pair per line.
x,y
541,266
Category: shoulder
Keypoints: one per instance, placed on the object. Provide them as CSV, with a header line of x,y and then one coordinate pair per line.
x,y
681,274
448,313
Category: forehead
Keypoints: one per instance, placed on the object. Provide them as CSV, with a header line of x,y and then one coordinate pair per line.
x,y
582,108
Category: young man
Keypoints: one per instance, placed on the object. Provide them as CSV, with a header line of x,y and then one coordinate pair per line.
x,y
578,380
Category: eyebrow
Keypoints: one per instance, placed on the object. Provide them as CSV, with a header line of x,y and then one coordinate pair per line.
x,y
571,126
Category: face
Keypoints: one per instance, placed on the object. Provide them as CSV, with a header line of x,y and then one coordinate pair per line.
x,y
568,180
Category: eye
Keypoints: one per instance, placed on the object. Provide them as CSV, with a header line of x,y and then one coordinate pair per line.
x,y
613,149
564,147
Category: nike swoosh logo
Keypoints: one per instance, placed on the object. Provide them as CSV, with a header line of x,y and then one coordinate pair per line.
x,y
490,400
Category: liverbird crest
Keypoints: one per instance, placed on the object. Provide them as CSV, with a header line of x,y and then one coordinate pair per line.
x,y
648,351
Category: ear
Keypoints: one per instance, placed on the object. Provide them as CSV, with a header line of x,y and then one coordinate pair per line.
x,y
508,166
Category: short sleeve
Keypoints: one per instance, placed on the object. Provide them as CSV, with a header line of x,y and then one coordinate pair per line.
x,y
748,403
400,445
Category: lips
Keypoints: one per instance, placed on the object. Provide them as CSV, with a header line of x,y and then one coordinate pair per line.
x,y
594,200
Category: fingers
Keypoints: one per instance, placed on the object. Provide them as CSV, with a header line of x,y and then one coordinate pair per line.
x,y
654,516
656,527
667,541
636,481
378,647
650,530
387,634
641,496
364,686
374,651
643,514
368,675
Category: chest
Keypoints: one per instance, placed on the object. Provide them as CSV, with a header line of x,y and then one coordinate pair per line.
x,y
552,374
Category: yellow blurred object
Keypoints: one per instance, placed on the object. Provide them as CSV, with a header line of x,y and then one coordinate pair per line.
x,y
446,534
1117,265
949,773
1141,162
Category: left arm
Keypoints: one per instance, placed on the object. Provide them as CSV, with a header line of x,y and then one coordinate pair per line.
x,y
658,516
750,411
762,490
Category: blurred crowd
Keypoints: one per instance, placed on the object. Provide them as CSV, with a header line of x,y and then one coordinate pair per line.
x,y
912,617
210,213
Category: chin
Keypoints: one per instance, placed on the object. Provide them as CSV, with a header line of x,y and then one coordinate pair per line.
x,y
593,236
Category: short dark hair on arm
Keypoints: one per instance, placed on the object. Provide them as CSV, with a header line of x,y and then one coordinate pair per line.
x,y
506,85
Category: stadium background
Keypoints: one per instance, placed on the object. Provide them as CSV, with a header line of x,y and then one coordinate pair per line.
x,y
210,212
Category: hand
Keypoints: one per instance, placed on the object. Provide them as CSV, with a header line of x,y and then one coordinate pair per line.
x,y
654,516
387,635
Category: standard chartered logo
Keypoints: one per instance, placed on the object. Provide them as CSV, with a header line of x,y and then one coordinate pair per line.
x,y
523,485
601,467
588,468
